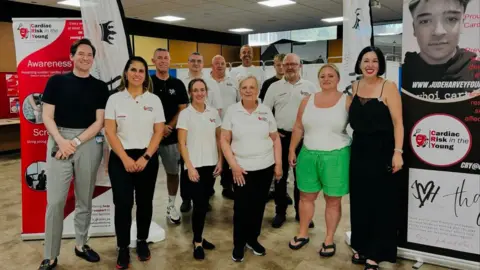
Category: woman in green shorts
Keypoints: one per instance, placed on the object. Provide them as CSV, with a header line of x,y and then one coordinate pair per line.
x,y
323,162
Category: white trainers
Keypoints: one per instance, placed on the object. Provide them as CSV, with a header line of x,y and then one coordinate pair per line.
x,y
173,215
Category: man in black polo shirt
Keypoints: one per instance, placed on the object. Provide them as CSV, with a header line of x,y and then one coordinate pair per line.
x,y
73,111
173,95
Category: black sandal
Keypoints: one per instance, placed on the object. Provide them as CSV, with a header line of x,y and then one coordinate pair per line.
x,y
327,254
302,241
371,266
361,259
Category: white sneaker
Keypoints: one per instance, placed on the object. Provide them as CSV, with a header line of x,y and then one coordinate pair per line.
x,y
173,215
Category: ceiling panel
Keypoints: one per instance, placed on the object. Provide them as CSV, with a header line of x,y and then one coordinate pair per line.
x,y
221,15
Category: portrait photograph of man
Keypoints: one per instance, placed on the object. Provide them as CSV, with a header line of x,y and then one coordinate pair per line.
x,y
441,48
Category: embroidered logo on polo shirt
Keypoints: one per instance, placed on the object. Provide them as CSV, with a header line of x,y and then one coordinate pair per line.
x,y
304,93
229,84
212,120
150,109
121,116
171,91
262,119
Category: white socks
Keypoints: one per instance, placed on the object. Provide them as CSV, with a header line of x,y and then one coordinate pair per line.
x,y
171,200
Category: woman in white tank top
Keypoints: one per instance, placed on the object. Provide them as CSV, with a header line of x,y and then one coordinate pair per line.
x,y
323,162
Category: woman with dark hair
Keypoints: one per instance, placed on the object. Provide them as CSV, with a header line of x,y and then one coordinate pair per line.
x,y
375,115
134,123
199,144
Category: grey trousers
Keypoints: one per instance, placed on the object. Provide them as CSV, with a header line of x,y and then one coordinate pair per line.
x,y
82,166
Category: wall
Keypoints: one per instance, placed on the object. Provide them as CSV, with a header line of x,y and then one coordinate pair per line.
x,y
8,62
209,51
335,49
145,46
181,50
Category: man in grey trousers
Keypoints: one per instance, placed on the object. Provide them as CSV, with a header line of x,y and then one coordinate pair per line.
x,y
73,113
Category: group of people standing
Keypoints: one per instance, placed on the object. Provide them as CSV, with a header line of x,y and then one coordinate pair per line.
x,y
223,125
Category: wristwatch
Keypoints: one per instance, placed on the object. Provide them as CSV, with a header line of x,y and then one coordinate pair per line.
x,y
77,141
146,157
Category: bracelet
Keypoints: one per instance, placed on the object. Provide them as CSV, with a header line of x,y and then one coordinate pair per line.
x,y
398,150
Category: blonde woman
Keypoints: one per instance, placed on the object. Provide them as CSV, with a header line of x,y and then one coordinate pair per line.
x,y
134,124
324,159
251,146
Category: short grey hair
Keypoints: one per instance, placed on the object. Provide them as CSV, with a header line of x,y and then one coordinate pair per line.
x,y
243,79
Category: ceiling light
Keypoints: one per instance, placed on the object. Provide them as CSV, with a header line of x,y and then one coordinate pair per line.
x,y
276,3
240,30
73,3
169,18
332,20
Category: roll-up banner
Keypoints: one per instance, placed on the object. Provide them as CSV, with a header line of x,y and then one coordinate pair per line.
x,y
42,50
441,110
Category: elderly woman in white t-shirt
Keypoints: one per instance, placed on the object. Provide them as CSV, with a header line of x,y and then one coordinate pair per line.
x,y
198,129
251,145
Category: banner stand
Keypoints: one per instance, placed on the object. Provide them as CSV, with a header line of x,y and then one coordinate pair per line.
x,y
423,257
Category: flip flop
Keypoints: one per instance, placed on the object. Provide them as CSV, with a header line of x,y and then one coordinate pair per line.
x,y
361,259
325,247
302,241
371,266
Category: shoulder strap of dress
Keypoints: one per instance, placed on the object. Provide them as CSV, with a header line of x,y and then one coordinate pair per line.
x,y
358,87
383,85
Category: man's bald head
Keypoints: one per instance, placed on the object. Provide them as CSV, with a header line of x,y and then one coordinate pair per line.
x,y
246,55
218,66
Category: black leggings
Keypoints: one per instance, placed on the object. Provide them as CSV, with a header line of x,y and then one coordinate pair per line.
x,y
200,193
249,206
124,185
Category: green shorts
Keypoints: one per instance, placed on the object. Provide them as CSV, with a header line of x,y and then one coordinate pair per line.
x,y
327,170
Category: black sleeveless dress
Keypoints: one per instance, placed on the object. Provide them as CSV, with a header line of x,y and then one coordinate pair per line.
x,y
372,184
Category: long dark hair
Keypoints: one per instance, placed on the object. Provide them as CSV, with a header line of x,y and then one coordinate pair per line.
x,y
190,86
147,83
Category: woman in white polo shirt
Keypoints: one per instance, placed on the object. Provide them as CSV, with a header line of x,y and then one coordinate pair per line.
x,y
198,129
134,123
251,145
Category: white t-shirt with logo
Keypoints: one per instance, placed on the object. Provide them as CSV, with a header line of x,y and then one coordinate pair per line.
x,y
214,99
135,118
201,137
229,93
241,72
286,98
251,143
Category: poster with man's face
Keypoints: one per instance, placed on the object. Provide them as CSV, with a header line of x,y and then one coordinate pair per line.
x,y
441,118
441,49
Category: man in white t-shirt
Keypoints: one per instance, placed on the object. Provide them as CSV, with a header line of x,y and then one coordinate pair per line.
x,y
285,97
247,67
195,67
230,95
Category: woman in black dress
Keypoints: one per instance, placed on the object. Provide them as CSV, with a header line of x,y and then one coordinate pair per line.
x,y
376,155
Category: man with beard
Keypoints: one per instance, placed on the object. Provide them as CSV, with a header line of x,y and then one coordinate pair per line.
x,y
247,67
441,70
285,97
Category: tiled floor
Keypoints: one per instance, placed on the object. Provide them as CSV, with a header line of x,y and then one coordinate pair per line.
x,y
175,252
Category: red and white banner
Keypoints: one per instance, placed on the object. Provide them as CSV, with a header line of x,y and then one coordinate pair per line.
x,y
12,84
42,50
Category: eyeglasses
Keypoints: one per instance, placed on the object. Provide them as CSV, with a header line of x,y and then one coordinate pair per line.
x,y
290,64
